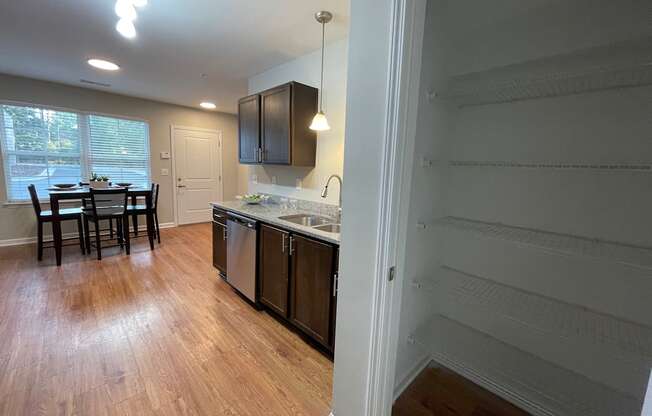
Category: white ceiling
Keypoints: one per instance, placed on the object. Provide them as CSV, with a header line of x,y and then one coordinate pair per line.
x,y
178,40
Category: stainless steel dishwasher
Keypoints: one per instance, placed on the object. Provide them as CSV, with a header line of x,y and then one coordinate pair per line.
x,y
241,254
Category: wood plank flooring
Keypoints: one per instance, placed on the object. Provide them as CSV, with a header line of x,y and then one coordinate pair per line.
x,y
154,333
440,392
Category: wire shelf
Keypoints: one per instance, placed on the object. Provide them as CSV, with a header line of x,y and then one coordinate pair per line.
x,y
620,65
601,167
551,316
566,244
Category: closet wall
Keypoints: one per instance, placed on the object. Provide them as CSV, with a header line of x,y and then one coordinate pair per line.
x,y
529,253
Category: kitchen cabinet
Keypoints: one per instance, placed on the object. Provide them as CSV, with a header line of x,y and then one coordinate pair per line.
x,y
312,287
336,273
274,126
249,129
219,240
274,270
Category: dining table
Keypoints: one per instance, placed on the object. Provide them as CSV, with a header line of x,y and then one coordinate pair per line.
x,y
84,192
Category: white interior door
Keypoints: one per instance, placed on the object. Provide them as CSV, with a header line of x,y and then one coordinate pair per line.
x,y
197,169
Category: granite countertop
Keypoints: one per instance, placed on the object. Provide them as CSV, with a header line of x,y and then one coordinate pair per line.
x,y
269,212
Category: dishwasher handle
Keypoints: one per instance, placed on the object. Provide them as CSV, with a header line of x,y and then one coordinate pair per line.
x,y
247,222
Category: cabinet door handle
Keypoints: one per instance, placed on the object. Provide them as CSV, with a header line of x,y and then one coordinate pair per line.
x,y
283,243
291,245
224,234
335,277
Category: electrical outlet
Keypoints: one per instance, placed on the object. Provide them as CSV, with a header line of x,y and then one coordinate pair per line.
x,y
254,178
299,183
274,180
165,172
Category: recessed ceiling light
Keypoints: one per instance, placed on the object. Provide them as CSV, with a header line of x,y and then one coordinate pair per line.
x,y
125,10
139,3
126,28
208,105
102,64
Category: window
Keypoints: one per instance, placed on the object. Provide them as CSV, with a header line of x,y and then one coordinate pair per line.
x,y
45,147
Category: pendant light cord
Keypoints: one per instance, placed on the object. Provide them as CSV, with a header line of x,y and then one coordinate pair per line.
x,y
321,83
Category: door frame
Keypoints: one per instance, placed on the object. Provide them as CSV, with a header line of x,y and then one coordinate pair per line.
x,y
403,93
220,147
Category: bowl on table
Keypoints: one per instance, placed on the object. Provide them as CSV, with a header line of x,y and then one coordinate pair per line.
x,y
64,185
124,184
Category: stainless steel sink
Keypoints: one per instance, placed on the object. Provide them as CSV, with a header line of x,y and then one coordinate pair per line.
x,y
307,220
329,228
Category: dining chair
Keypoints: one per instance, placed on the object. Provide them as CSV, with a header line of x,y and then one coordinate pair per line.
x,y
86,204
135,210
45,216
107,204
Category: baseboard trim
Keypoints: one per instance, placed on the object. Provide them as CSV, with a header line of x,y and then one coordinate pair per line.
x,y
411,375
48,238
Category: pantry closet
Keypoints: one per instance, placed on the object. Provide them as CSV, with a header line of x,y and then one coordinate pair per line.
x,y
528,265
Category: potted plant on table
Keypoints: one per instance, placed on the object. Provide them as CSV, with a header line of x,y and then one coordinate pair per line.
x,y
99,181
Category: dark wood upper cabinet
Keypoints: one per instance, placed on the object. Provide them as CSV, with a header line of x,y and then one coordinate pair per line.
x,y
312,284
284,116
276,123
274,269
249,129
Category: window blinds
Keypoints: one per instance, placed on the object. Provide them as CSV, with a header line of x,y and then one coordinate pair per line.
x,y
119,149
44,147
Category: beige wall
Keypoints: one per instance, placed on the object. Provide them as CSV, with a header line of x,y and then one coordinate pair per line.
x,y
330,144
18,221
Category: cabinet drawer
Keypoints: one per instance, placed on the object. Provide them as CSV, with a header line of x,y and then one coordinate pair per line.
x,y
219,216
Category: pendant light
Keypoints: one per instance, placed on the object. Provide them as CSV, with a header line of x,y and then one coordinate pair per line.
x,y
319,122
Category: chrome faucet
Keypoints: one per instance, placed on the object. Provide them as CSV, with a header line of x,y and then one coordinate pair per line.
x,y
324,193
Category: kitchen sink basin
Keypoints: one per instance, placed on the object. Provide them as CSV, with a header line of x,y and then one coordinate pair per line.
x,y
329,228
307,220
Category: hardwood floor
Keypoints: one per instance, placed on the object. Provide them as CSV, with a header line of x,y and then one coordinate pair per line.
x,y
154,333
441,392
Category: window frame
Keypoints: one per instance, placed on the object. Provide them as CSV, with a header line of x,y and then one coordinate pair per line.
x,y
85,141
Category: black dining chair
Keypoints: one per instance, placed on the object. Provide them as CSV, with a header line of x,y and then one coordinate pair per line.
x,y
135,210
45,216
86,204
107,204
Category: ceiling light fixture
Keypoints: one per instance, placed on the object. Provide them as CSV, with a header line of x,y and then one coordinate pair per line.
x,y
102,64
139,3
319,122
125,10
126,28
208,105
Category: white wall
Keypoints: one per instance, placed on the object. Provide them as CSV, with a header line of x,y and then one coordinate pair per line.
x,y
366,103
330,144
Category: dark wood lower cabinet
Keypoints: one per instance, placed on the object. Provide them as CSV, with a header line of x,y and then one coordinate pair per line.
x,y
312,287
336,273
219,246
274,269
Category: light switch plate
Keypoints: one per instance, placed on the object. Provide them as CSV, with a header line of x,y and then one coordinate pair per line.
x,y
165,172
165,155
